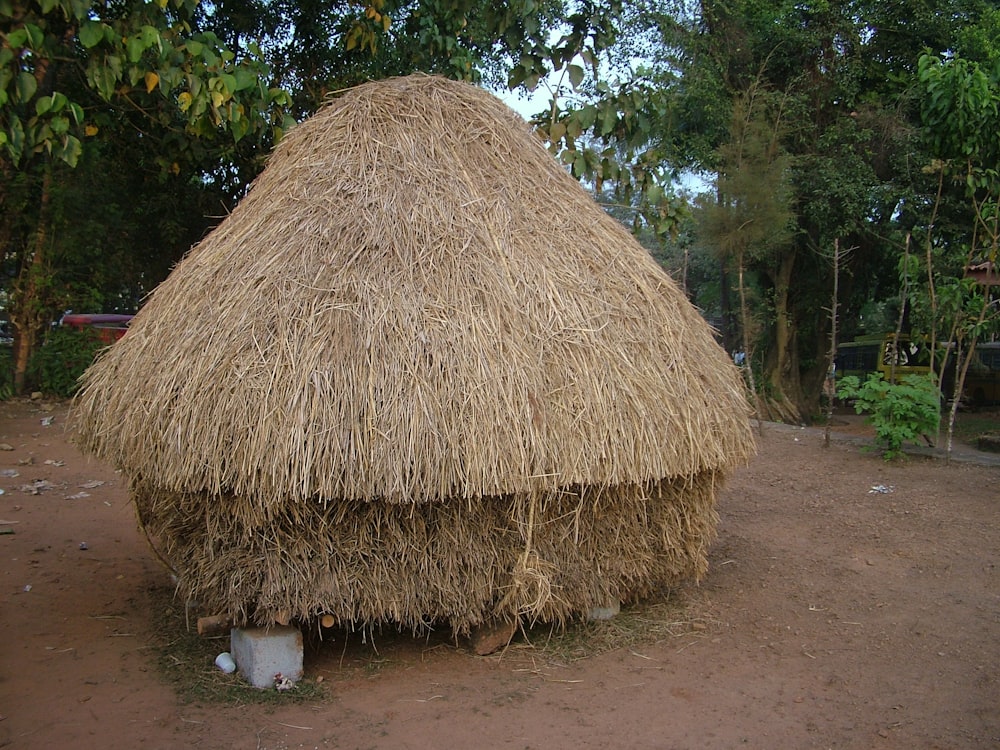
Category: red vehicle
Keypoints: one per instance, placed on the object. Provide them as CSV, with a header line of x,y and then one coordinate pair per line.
x,y
109,327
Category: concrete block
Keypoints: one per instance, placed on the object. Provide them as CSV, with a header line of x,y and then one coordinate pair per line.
x,y
261,653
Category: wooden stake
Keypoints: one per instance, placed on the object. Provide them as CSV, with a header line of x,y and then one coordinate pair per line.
x,y
214,625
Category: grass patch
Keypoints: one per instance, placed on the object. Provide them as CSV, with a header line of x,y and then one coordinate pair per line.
x,y
970,425
187,662
666,616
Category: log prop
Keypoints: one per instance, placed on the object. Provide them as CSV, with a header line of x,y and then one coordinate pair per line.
x,y
214,625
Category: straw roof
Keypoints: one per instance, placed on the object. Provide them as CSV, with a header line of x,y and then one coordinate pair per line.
x,y
413,302
413,305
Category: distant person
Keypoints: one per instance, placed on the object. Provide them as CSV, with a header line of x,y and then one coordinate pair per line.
x,y
739,357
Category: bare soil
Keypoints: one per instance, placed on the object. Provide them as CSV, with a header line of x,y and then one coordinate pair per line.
x,y
850,603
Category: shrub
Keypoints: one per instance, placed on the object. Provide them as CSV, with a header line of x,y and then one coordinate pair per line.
x,y
59,362
898,411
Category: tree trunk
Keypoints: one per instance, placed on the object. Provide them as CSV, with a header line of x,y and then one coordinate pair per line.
x,y
747,364
831,376
729,337
783,396
28,312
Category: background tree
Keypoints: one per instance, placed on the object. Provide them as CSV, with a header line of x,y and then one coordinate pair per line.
x,y
961,113
639,95
846,73
73,70
751,221
194,95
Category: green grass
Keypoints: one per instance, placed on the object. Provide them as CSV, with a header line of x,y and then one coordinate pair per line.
x,y
970,425
186,661
663,617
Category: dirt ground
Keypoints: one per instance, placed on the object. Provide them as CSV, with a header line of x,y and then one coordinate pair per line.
x,y
834,615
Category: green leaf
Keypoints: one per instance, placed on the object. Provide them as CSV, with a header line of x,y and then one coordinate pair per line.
x,y
59,125
91,33
609,118
40,135
69,150
574,126
48,5
575,75
43,105
17,38
654,194
244,79
279,96
16,144
587,116
103,79
239,128
194,48
134,48
59,101
26,86
151,37
36,37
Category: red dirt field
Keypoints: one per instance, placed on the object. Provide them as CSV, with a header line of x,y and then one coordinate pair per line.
x,y
833,616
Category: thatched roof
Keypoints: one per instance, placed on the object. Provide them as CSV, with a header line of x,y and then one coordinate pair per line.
x,y
414,302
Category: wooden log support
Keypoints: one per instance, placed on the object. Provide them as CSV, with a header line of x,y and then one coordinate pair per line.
x,y
490,638
209,627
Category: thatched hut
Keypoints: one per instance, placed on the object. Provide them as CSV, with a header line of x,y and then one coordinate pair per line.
x,y
418,376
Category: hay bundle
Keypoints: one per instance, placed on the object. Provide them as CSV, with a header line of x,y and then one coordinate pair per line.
x,y
418,375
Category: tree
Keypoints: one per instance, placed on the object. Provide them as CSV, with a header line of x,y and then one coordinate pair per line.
x,y
316,48
844,72
961,115
751,218
72,70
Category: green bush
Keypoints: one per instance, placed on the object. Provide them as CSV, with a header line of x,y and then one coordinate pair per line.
x,y
899,412
56,367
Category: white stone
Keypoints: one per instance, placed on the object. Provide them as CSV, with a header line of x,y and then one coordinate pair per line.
x,y
605,613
